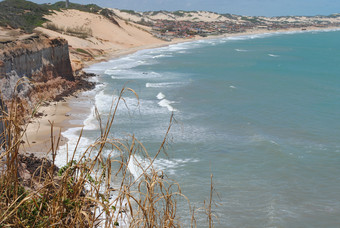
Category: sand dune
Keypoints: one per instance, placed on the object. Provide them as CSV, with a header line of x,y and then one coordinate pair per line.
x,y
179,16
105,37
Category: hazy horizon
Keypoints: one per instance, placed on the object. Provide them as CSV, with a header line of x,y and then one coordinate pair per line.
x,y
268,8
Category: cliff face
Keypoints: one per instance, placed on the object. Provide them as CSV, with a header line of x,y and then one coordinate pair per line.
x,y
37,58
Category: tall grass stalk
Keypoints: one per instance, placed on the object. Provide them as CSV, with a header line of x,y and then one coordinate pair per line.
x,y
94,190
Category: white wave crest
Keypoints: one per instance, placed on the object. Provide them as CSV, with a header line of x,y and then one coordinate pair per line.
x,y
137,165
161,56
131,74
167,104
160,96
90,121
163,84
65,152
241,50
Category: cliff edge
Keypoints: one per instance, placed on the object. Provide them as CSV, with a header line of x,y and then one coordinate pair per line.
x,y
36,58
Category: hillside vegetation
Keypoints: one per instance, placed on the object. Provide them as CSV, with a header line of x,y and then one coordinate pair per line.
x,y
22,14
27,15
92,8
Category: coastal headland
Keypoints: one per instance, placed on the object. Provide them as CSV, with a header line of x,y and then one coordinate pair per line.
x,y
44,51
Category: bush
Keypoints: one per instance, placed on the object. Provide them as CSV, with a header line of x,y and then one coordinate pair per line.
x,y
179,13
92,8
54,27
83,51
22,14
132,12
109,14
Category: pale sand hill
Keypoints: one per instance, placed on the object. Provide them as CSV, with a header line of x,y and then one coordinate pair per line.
x,y
106,37
205,16
163,15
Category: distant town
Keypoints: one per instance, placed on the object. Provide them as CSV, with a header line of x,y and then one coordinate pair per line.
x,y
183,24
180,29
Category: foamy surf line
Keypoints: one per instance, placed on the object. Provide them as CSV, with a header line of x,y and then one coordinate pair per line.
x,y
82,117
167,104
150,55
137,164
163,84
223,39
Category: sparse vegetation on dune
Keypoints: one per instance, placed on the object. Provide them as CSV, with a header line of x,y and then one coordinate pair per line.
x,y
179,13
84,52
132,12
79,31
91,8
82,32
91,191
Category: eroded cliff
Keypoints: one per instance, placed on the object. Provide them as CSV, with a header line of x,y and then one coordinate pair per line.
x,y
37,58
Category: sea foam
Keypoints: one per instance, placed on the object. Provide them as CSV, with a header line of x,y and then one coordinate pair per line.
x,y
167,104
137,164
160,96
241,50
163,84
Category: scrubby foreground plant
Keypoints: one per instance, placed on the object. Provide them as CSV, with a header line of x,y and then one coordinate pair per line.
x,y
91,191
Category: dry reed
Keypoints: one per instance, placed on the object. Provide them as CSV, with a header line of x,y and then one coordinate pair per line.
x,y
91,191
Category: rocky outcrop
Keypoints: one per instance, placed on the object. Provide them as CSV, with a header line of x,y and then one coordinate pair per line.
x,y
36,58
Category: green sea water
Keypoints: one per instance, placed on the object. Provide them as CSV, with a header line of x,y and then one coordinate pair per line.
x,y
261,113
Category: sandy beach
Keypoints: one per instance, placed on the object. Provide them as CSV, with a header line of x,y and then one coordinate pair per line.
x,y
63,114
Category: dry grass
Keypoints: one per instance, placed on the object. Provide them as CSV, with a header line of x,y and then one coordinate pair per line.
x,y
93,191
54,27
77,31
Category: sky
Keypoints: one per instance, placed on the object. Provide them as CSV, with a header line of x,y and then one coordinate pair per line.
x,y
240,7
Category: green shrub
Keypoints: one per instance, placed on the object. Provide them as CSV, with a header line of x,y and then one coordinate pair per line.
x,y
132,12
92,8
83,51
179,13
22,14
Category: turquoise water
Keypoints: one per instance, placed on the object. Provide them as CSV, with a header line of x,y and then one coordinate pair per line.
x,y
261,113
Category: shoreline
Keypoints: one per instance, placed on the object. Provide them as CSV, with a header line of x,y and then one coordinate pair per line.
x,y
65,114
127,51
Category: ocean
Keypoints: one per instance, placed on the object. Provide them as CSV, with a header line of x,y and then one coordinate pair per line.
x,y
259,112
